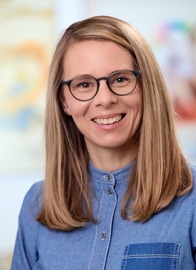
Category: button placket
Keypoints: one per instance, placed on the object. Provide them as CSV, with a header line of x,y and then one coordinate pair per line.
x,y
108,177
110,192
104,227
103,235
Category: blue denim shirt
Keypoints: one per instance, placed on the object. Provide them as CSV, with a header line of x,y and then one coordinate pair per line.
x,y
166,241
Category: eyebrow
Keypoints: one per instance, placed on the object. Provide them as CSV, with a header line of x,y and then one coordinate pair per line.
x,y
91,75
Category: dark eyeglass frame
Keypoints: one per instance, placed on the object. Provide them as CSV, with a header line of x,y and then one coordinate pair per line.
x,y
136,73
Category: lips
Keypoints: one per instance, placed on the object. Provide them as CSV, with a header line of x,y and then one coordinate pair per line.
x,y
108,121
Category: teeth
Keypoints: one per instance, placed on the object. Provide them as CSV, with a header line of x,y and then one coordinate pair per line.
x,y
108,121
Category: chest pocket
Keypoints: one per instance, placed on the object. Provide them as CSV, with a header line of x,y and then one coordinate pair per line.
x,y
148,256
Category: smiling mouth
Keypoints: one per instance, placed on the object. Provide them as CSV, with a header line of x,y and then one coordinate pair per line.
x,y
108,121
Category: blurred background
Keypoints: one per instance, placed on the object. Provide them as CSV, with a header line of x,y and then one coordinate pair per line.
x,y
29,32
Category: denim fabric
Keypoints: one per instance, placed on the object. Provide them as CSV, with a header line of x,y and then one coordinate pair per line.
x,y
156,256
166,241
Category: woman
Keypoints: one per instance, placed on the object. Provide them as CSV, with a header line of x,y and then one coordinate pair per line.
x,y
118,192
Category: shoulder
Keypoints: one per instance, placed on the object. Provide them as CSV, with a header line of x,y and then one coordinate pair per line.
x,y
191,195
35,190
25,251
193,172
191,206
32,200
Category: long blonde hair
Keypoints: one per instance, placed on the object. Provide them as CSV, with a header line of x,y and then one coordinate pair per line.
x,y
160,171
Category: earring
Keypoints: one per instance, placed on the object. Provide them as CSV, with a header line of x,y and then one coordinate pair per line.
x,y
66,113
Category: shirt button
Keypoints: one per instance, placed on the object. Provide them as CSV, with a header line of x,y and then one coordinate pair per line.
x,y
108,177
110,192
103,235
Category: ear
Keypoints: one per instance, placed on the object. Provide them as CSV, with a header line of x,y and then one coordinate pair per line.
x,y
64,103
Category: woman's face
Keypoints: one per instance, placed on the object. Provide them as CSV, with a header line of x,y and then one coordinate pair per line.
x,y
107,121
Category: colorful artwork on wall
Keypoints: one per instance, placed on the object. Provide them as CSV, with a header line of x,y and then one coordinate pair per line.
x,y
175,49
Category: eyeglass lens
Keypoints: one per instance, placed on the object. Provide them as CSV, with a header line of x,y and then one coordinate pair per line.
x,y
121,83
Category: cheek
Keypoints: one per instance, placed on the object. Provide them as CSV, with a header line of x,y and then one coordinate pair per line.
x,y
136,110
77,109
140,100
69,103
63,100
135,102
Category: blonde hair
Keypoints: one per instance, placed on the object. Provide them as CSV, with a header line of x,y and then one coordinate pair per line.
x,y
160,171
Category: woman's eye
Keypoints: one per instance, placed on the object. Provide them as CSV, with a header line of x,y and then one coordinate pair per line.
x,y
84,85
121,79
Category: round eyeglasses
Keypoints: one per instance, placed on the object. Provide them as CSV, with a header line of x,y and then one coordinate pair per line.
x,y
121,83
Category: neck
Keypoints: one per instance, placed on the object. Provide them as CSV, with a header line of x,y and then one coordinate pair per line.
x,y
109,159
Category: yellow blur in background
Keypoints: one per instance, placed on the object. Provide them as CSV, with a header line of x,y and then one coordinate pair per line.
x,y
25,51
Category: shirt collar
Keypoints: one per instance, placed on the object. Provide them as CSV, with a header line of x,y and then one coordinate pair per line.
x,y
118,176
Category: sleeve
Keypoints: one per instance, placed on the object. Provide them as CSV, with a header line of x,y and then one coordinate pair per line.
x,y
193,228
25,251
193,233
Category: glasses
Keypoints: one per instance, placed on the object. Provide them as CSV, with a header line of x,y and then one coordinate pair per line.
x,y
120,83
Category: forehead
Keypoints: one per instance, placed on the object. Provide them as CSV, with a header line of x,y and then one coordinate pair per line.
x,y
95,43
94,55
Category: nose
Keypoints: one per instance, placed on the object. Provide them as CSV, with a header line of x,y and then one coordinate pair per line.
x,y
104,96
